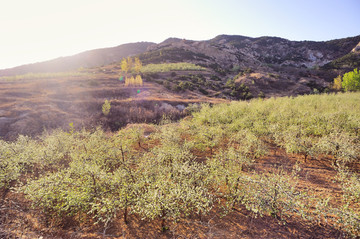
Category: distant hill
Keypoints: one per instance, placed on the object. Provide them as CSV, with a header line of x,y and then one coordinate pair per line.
x,y
262,66
176,73
269,66
86,59
227,51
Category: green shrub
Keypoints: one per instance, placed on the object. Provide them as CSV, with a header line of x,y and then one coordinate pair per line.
x,y
351,80
106,107
188,167
167,67
17,158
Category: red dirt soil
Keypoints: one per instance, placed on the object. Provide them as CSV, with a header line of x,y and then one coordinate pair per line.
x,y
18,221
29,106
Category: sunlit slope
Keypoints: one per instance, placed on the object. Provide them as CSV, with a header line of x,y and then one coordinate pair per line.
x,y
34,102
92,58
292,161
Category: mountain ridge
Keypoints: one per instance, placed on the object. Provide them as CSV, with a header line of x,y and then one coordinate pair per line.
x,y
221,69
270,66
86,59
256,48
265,65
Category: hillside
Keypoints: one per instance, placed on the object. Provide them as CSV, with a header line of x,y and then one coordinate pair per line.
x,y
229,50
346,62
224,54
176,73
202,145
276,168
92,58
268,66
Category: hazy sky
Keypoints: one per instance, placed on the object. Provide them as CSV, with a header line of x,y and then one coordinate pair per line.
x,y
37,30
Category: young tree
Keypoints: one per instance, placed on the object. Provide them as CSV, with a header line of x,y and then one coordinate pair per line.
x,y
124,65
137,65
130,63
130,81
106,107
337,83
173,189
138,80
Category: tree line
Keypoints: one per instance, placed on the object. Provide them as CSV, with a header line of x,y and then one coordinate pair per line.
x,y
128,65
350,81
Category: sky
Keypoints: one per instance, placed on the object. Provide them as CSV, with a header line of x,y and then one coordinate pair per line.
x,y
38,30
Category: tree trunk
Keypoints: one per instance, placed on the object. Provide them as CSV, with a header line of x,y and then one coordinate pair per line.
x,y
125,215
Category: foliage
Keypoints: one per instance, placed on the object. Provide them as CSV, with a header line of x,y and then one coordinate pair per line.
x,y
341,145
238,91
272,194
127,65
172,54
106,107
186,85
176,186
33,76
261,95
168,67
131,81
349,61
137,65
189,167
192,108
15,158
337,85
124,65
349,215
98,181
309,125
351,80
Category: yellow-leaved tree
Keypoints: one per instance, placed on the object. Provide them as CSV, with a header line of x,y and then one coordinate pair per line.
x,y
138,80
124,65
337,83
131,81
106,107
137,65
130,63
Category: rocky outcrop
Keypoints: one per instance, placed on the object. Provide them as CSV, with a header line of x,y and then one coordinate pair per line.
x,y
286,67
356,48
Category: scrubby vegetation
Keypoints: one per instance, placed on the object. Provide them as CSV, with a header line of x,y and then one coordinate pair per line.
x,y
106,107
190,167
167,67
30,76
350,81
349,61
238,91
172,54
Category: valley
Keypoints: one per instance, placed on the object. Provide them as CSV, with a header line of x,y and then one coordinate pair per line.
x,y
232,137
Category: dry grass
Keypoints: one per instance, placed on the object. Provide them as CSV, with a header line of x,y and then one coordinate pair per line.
x,y
31,104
